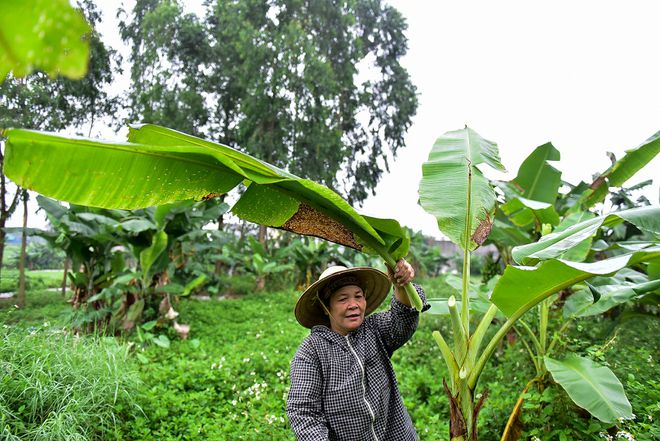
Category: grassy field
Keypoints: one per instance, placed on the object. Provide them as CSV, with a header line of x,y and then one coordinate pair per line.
x,y
34,280
230,379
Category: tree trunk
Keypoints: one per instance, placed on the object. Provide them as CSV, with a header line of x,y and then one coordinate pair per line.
x,y
463,412
263,234
64,277
21,263
5,210
221,225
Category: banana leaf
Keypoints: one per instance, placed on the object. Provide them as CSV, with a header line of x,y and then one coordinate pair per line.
x,y
161,166
521,288
622,170
48,35
591,386
455,191
523,212
583,303
537,179
555,244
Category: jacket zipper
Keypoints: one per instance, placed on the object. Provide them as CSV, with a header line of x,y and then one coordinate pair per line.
x,y
364,389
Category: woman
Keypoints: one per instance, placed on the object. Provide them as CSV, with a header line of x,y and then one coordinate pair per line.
x,y
343,386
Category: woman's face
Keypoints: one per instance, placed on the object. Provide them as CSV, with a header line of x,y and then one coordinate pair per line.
x,y
347,307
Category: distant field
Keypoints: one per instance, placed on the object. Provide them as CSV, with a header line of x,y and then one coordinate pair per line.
x,y
39,279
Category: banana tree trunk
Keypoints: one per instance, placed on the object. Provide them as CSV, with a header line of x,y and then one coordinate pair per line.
x,y
463,411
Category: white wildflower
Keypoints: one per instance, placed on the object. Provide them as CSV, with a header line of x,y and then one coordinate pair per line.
x,y
622,434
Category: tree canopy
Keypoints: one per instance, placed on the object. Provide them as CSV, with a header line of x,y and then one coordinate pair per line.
x,y
314,87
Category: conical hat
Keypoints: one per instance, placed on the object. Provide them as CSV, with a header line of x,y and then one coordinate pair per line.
x,y
374,283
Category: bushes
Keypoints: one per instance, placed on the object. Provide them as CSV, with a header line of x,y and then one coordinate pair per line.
x,y
57,387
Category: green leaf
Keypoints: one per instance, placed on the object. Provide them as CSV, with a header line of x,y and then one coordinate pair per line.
x,y
148,326
580,251
521,288
611,295
149,255
523,212
591,386
193,284
46,35
112,175
162,341
164,166
505,233
622,170
454,190
137,225
555,244
537,180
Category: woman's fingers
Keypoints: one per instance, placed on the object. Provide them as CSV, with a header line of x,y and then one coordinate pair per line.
x,y
403,273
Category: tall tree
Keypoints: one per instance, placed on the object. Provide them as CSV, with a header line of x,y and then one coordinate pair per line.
x,y
39,102
315,87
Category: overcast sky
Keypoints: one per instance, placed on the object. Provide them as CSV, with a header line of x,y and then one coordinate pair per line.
x,y
584,75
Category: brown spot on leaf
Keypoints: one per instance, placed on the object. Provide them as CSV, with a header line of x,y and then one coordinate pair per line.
x,y
211,196
483,230
311,222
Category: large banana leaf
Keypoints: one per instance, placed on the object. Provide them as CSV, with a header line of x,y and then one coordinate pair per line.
x,y
617,292
48,35
537,179
455,191
161,166
591,386
521,288
622,170
555,244
580,251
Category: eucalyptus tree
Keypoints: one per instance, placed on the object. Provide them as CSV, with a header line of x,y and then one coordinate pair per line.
x,y
315,88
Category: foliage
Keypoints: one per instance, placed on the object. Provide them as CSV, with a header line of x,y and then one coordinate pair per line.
x,y
42,34
187,390
56,386
33,280
41,102
521,288
160,166
282,81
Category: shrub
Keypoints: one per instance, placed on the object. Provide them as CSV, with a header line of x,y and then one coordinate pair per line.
x,y
59,387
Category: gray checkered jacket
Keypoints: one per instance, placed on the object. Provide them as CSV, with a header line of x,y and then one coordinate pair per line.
x,y
344,388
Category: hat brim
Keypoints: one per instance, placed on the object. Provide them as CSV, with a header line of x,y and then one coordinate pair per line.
x,y
374,283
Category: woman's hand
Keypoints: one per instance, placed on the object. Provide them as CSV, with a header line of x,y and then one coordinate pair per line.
x,y
403,273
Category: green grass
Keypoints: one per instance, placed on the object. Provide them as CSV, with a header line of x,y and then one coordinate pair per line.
x,y
59,387
41,306
229,381
33,279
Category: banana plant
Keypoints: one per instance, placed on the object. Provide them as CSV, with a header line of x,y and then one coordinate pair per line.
x,y
159,165
454,190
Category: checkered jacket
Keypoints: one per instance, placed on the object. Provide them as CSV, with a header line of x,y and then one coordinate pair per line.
x,y
343,388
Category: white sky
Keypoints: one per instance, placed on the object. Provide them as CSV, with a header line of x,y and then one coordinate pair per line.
x,y
584,75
